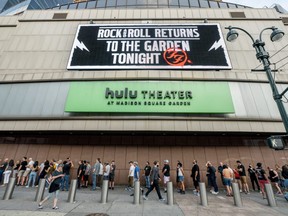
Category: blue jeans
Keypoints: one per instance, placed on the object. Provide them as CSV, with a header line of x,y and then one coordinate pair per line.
x,y
94,181
65,182
147,180
32,178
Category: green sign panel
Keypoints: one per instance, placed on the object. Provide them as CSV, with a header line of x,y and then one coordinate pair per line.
x,y
149,97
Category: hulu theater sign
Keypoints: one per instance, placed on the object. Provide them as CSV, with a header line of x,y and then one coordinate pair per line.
x,y
149,97
136,46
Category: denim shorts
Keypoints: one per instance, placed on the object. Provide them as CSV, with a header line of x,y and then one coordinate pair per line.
x,y
227,181
181,178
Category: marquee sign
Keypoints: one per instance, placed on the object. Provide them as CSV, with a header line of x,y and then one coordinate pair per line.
x,y
136,46
149,97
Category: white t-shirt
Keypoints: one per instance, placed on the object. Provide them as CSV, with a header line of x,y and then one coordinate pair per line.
x,y
30,164
101,169
180,172
131,171
107,170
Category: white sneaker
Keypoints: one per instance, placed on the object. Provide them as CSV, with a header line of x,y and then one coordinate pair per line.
x,y
162,199
197,194
145,198
213,192
240,191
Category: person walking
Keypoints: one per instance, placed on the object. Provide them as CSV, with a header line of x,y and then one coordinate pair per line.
x,y
211,174
253,177
55,180
136,176
154,182
195,175
147,172
166,174
112,175
130,176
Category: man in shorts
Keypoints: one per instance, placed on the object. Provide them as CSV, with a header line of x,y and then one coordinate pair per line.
x,y
242,172
166,173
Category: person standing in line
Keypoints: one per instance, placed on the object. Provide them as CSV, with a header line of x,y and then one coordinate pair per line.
x,y
237,178
26,174
83,173
95,173
147,172
279,172
67,165
106,171
16,169
243,179
253,177
211,173
21,170
166,174
220,171
7,172
44,171
3,168
179,164
112,175
285,175
100,175
227,176
33,174
273,176
262,178
154,182
87,174
130,176
195,175
55,180
181,178
80,173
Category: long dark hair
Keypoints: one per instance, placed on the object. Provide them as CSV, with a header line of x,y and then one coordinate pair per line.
x,y
11,163
35,164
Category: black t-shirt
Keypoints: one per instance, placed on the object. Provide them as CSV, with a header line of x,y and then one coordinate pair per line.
x,y
243,172
4,165
66,169
17,167
212,171
167,167
57,180
220,170
260,173
23,165
252,172
147,170
81,167
44,171
195,169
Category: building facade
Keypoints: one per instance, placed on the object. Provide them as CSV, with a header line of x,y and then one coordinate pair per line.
x,y
72,91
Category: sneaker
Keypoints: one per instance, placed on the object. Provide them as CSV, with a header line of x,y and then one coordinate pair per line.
x,y
145,197
162,199
132,194
40,206
213,192
55,208
197,194
240,191
27,186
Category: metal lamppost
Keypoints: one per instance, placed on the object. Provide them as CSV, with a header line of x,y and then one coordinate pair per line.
x,y
263,56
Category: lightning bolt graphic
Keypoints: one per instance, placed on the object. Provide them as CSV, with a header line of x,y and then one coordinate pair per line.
x,y
216,45
80,45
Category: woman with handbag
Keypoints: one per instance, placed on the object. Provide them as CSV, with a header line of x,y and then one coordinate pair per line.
x,y
55,181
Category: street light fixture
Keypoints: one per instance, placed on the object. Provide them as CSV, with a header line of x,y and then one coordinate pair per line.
x,y
263,56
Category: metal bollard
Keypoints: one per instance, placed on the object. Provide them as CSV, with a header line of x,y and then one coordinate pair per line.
x,y
72,191
170,193
9,189
236,195
40,190
136,200
203,194
104,192
270,195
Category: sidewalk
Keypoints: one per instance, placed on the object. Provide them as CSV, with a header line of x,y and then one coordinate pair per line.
x,y
120,204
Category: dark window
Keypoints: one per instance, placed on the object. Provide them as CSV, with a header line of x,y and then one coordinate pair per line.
x,y
237,14
59,16
285,20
